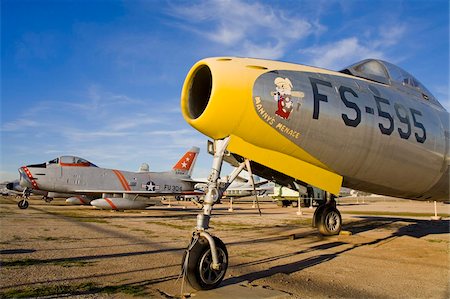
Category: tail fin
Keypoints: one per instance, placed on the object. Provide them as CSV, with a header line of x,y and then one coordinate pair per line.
x,y
186,164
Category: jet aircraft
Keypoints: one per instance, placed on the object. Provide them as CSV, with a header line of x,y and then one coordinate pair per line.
x,y
114,189
371,127
243,186
246,188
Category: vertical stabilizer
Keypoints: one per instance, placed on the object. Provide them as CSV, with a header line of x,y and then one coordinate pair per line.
x,y
186,164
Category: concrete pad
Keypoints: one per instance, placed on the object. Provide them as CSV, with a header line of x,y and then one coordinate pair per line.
x,y
240,291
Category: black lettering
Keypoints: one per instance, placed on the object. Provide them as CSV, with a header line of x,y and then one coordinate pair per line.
x,y
348,121
404,119
318,96
386,115
420,139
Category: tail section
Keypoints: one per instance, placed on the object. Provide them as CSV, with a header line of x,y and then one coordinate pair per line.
x,y
186,164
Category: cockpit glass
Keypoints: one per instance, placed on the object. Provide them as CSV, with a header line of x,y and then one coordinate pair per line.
x,y
75,161
54,161
67,159
386,73
372,67
81,160
402,77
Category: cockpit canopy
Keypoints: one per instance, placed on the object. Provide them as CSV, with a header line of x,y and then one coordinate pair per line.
x,y
387,73
71,161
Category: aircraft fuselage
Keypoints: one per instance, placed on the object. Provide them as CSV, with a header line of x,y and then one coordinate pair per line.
x,y
68,179
322,127
377,138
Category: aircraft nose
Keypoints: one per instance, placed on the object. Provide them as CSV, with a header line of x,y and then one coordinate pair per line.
x,y
27,179
24,180
10,186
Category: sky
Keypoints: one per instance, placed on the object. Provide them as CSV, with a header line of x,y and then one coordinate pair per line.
x,y
102,79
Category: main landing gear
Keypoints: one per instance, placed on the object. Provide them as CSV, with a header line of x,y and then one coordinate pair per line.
x,y
47,199
327,218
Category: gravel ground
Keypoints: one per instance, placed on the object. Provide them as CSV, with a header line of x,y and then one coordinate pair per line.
x,y
393,251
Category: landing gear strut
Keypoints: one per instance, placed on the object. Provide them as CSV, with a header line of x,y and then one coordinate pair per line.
x,y
23,204
47,199
205,261
327,218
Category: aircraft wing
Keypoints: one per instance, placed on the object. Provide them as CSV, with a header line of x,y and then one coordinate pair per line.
x,y
260,183
142,193
190,180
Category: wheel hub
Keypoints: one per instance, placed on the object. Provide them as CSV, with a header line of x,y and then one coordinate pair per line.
x,y
207,273
332,221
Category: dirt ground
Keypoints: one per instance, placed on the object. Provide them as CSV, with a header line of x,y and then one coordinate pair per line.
x,y
390,249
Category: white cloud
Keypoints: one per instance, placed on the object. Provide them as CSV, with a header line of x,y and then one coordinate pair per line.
x,y
19,125
389,35
109,128
247,29
339,54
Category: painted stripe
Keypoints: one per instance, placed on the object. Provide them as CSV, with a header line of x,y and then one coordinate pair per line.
x,y
113,206
30,177
122,180
120,177
81,164
81,200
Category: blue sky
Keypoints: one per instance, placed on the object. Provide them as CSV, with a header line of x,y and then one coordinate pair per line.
x,y
102,79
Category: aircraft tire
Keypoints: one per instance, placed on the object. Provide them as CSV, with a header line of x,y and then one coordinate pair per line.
x,y
329,221
23,204
199,273
47,199
317,215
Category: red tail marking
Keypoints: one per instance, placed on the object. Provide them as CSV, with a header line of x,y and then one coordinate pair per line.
x,y
185,162
122,180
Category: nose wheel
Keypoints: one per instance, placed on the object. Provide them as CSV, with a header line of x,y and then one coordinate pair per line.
x,y
198,264
23,204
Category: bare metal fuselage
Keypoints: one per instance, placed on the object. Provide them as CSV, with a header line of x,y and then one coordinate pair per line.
x,y
95,180
338,129
355,129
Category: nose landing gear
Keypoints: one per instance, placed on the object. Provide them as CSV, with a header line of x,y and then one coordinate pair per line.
x,y
23,204
206,259
201,273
